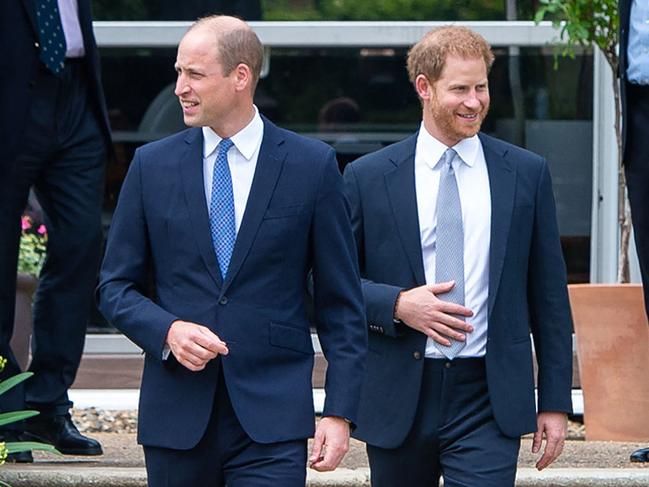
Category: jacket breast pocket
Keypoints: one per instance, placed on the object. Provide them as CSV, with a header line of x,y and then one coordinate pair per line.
x,y
288,336
283,211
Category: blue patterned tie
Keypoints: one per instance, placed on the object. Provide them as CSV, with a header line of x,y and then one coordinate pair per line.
x,y
222,223
50,33
449,248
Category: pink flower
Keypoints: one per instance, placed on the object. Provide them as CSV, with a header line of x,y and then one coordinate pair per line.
x,y
26,223
42,230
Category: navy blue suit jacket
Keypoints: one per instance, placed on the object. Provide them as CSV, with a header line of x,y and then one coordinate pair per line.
x,y
527,289
19,64
296,219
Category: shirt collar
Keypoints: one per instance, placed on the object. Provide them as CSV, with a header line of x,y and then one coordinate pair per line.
x,y
467,149
246,140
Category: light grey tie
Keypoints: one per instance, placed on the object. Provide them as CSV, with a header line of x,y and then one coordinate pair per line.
x,y
449,248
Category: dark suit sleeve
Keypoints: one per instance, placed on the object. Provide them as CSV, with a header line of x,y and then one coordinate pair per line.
x,y
123,276
549,306
379,298
338,299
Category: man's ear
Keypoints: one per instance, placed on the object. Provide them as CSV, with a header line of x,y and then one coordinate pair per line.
x,y
424,87
243,77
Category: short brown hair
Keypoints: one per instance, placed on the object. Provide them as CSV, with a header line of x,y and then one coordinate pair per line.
x,y
237,45
429,55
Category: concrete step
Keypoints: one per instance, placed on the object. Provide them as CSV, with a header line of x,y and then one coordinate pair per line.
x,y
48,476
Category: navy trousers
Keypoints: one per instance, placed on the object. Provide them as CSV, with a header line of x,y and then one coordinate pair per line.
x,y
226,455
454,435
62,156
636,165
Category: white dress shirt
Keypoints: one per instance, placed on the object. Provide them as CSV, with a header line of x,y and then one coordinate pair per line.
x,y
475,198
69,11
638,48
242,159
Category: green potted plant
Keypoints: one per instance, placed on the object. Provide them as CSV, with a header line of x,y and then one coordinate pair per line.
x,y
31,256
595,23
8,417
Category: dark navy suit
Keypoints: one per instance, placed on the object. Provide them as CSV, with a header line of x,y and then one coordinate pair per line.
x,y
527,291
635,126
296,219
54,136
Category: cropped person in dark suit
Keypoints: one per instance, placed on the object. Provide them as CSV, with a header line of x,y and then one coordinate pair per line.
x,y
230,216
634,84
54,136
460,258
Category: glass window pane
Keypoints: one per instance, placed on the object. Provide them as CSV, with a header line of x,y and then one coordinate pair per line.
x,y
360,100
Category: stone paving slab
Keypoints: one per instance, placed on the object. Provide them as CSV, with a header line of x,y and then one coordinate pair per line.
x,y
583,464
49,476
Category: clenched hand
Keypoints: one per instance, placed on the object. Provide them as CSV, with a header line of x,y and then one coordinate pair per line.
x,y
194,345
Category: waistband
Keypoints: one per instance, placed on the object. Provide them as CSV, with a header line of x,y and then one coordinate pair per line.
x,y
473,363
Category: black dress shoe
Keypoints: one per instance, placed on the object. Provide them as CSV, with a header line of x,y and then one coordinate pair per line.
x,y
61,432
641,455
21,456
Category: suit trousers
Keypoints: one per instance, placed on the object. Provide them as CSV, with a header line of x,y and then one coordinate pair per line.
x,y
636,166
454,434
62,156
226,455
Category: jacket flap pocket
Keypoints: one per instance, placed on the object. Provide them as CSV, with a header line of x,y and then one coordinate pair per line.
x,y
283,211
288,336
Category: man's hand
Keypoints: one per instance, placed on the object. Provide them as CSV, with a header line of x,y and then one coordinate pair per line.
x,y
330,443
422,310
553,426
194,345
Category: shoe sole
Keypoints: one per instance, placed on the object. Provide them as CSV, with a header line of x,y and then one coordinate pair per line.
x,y
29,459
88,452
81,453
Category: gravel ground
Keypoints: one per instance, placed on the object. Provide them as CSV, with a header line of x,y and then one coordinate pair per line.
x,y
116,432
94,420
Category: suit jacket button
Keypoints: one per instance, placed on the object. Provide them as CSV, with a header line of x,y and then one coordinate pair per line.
x,y
223,300
37,45
416,355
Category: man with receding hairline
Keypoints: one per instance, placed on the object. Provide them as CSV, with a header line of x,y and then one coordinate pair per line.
x,y
460,258
230,216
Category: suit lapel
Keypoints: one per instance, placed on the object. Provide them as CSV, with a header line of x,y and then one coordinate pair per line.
x,y
85,21
269,165
502,183
400,184
191,170
30,8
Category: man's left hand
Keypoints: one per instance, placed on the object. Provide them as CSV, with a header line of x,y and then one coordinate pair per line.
x,y
553,426
330,443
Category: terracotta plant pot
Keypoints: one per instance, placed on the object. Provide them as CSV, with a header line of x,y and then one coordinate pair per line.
x,y
612,336
20,341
